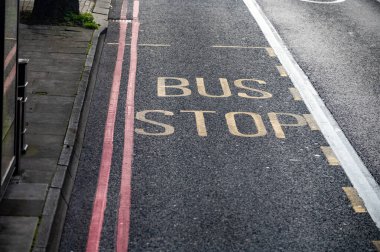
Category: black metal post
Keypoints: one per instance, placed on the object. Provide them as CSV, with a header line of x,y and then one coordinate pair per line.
x,y
22,95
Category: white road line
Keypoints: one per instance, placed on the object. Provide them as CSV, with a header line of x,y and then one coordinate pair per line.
x,y
353,166
322,2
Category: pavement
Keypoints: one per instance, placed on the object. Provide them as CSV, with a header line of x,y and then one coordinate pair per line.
x,y
84,5
33,208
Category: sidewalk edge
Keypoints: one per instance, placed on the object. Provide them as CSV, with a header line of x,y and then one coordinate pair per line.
x,y
50,228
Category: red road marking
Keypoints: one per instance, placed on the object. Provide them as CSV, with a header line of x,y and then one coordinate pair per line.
x,y
126,173
100,200
136,7
123,12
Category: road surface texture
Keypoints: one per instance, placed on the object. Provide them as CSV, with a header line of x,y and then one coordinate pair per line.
x,y
197,139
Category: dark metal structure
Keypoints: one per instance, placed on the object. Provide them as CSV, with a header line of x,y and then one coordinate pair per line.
x,y
10,112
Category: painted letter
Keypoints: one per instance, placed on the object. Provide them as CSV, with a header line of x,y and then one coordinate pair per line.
x,y
199,120
182,86
277,126
223,83
168,129
263,94
231,123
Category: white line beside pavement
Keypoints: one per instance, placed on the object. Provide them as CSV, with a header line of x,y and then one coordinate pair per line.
x,y
350,161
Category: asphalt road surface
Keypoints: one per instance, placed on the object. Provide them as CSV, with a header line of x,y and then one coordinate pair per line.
x,y
197,139
338,46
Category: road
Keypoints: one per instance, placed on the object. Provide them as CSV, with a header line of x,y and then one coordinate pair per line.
x,y
200,139
338,45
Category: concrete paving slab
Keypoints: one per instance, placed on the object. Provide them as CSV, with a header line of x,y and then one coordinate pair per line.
x,y
99,10
24,199
75,76
36,176
14,230
47,118
59,67
38,164
43,151
36,56
50,104
58,129
72,50
57,43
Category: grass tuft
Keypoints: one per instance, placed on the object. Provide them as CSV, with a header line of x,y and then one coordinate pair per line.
x,y
85,20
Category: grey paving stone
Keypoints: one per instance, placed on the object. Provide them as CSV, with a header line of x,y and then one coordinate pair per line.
x,y
49,108
36,176
58,43
47,118
103,4
58,129
35,56
43,151
48,61
58,68
26,191
16,233
62,104
24,199
70,50
100,10
44,140
38,164
42,145
51,100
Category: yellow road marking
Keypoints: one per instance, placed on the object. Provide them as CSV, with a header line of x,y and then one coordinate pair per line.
x,y
278,126
295,93
356,202
377,245
330,155
270,52
199,120
311,122
239,47
282,71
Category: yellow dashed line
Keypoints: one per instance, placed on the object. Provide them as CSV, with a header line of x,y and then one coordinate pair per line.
x,y
270,52
296,94
356,202
311,122
282,71
377,245
330,155
238,47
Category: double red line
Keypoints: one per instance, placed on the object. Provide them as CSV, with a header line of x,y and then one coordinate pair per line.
x,y
100,200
